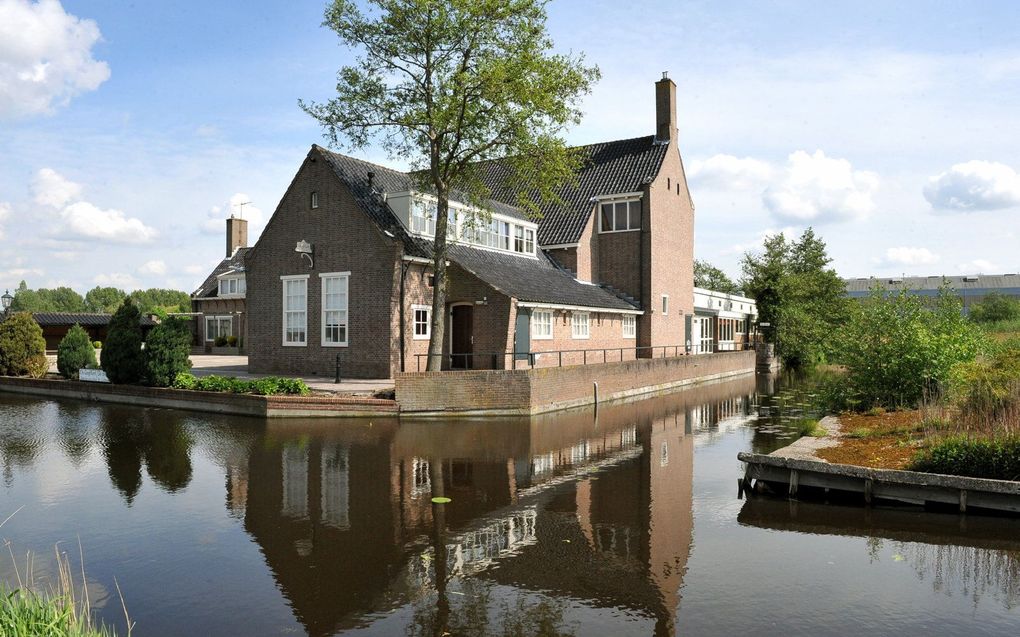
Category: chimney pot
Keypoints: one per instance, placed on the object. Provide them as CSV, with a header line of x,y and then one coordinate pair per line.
x,y
237,234
665,109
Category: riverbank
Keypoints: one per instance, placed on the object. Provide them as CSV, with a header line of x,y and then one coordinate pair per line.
x,y
872,468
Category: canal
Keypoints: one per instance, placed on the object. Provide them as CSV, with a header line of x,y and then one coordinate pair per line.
x,y
565,524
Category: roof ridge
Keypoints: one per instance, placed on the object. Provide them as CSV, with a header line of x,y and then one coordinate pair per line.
x,y
363,161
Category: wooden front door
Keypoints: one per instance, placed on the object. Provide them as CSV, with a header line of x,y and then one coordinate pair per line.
x,y
461,340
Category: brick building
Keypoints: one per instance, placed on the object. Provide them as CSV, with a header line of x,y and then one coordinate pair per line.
x,y
219,304
343,274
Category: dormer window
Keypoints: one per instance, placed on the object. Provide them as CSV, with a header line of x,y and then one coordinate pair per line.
x,y
232,286
620,216
483,229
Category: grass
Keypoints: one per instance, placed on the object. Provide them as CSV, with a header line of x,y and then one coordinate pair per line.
x,y
994,458
809,427
63,610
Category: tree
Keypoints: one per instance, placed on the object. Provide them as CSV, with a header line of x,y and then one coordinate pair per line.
x,y
122,357
154,299
995,307
167,351
61,299
446,84
795,292
22,347
104,300
898,348
75,352
710,277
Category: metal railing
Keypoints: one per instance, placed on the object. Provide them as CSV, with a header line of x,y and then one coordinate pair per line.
x,y
529,359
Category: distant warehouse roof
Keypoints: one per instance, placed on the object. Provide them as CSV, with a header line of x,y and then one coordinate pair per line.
x,y
967,285
60,319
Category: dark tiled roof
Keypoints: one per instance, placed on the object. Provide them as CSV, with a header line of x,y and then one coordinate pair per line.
x,y
60,319
609,168
210,287
968,284
534,280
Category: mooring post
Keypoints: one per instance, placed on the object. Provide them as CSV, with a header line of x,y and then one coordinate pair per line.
x,y
596,390
868,486
336,379
963,500
793,483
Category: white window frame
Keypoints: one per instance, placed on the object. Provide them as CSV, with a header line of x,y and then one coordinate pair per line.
x,y
614,202
218,319
223,287
629,326
665,305
538,326
346,277
283,309
314,200
580,329
414,322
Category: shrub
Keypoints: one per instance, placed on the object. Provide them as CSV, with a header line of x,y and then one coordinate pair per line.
x,y
232,341
221,341
994,458
899,348
123,359
184,381
75,352
268,386
167,351
995,307
97,344
987,391
22,347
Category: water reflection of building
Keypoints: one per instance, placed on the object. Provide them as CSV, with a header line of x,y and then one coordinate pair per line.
x,y
345,519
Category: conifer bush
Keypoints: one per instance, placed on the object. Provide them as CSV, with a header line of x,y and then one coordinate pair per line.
x,y
75,352
22,347
167,352
122,357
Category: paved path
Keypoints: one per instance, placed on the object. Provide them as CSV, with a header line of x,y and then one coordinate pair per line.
x,y
207,365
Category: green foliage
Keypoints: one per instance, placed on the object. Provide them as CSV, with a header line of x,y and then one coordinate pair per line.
x,y
232,341
899,348
62,299
122,358
220,341
798,295
154,299
268,386
447,85
75,352
167,351
25,613
97,344
104,300
987,391
710,277
22,347
994,458
995,307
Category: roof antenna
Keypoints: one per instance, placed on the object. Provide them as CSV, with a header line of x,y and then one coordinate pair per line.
x,y
240,208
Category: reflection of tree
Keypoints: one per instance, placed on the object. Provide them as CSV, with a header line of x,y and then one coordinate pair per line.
x,y
971,571
161,441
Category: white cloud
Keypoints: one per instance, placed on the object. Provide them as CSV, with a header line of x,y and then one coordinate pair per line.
x,y
196,269
86,220
756,244
5,212
18,274
117,280
83,219
155,267
978,266
217,215
974,185
818,189
50,188
45,57
905,255
729,172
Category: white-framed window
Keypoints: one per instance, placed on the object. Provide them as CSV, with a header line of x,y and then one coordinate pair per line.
x,y
334,308
216,326
620,216
423,217
422,315
295,310
665,304
579,325
315,199
232,286
629,326
542,324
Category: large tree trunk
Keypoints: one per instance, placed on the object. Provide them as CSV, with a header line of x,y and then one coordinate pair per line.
x,y
435,362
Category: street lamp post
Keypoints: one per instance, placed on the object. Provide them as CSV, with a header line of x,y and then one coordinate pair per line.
x,y
6,300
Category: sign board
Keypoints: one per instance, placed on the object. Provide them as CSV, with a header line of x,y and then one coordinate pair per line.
x,y
764,324
93,376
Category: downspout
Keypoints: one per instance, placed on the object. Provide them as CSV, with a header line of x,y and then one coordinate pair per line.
x,y
404,266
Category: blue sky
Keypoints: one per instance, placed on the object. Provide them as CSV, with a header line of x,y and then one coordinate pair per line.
x,y
128,130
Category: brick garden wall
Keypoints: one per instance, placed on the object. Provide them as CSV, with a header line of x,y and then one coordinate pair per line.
x,y
545,389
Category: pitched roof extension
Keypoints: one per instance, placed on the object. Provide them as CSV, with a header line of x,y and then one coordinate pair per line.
x,y
61,319
210,287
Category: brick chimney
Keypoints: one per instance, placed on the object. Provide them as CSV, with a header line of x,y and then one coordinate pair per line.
x,y
237,234
665,109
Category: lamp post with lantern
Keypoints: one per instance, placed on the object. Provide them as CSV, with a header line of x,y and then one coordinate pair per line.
x,y
6,300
